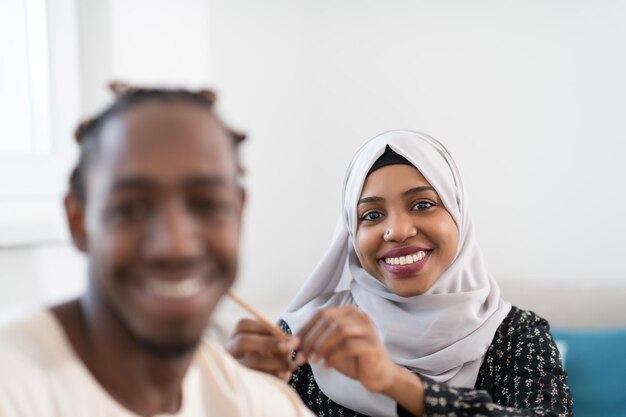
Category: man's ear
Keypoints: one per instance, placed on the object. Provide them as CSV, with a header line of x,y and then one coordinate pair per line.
x,y
75,215
241,195
242,199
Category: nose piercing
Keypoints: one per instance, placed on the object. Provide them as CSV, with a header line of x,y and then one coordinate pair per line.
x,y
387,233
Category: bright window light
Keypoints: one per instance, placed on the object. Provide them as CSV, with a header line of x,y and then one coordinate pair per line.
x,y
24,78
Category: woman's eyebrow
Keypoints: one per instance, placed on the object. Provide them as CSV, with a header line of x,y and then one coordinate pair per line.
x,y
372,199
418,190
376,199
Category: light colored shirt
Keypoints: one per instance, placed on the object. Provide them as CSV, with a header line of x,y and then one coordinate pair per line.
x,y
42,376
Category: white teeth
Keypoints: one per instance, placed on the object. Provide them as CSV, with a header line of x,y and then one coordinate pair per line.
x,y
406,260
174,290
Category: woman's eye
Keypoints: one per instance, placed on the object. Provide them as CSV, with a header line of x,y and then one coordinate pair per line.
x,y
372,216
422,205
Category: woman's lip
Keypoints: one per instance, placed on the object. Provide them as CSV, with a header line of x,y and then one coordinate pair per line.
x,y
404,270
408,250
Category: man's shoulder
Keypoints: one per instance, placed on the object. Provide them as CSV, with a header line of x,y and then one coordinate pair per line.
x,y
216,361
258,393
26,345
26,362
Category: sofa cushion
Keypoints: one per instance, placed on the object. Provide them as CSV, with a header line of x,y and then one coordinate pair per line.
x,y
595,361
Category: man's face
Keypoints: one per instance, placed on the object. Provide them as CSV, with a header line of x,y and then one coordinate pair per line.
x,y
161,221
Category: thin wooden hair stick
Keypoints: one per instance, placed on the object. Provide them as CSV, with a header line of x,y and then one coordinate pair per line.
x,y
270,326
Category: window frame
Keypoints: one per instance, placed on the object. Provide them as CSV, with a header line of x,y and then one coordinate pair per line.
x,y
31,182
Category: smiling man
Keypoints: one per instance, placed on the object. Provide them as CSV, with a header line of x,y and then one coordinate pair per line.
x,y
155,204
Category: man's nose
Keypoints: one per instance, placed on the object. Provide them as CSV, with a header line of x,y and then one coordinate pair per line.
x,y
173,234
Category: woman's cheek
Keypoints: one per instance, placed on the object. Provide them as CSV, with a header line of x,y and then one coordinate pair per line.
x,y
366,249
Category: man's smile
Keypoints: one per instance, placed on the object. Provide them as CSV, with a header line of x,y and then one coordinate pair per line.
x,y
175,290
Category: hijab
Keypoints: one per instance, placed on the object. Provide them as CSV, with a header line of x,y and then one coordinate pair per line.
x,y
442,334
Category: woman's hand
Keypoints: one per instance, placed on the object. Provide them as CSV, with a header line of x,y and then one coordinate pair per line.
x,y
255,347
345,339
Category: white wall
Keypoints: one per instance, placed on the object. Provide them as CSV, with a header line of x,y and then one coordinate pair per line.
x,y
136,41
528,96
142,41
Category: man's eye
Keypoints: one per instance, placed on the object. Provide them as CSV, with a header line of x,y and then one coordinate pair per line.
x,y
422,205
371,216
129,211
207,207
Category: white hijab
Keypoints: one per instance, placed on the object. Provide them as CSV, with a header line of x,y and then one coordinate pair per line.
x,y
442,334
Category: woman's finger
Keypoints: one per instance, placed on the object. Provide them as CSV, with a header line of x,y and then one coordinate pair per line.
x,y
352,325
347,350
261,344
324,314
271,365
323,327
251,326
316,326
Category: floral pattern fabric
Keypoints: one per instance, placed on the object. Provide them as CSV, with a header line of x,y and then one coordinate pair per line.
x,y
521,375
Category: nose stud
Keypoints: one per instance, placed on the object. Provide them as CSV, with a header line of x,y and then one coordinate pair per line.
x,y
387,233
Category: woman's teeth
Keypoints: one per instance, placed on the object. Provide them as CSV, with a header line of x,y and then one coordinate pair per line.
x,y
406,260
185,288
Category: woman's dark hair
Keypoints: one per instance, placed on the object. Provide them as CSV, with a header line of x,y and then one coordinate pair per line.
x,y
126,97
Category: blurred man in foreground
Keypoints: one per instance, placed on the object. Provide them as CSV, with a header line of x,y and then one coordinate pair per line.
x,y
155,204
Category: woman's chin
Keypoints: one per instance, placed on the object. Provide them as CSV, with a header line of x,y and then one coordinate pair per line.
x,y
407,286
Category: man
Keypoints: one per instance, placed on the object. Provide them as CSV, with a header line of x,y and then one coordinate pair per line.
x,y
155,204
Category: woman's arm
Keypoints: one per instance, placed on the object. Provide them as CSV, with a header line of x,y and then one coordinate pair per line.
x,y
522,376
408,391
345,339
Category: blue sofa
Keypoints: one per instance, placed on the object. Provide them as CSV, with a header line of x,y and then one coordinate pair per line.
x,y
595,361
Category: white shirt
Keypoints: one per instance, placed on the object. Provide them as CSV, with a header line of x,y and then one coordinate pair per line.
x,y
42,376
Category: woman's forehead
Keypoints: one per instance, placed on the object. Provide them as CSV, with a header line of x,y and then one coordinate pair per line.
x,y
393,178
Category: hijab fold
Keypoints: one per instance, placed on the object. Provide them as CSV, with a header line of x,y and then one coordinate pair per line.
x,y
442,334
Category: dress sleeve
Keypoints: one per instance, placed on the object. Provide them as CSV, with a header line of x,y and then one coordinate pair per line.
x,y
522,376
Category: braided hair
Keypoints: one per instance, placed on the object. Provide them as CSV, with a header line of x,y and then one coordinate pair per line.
x,y
88,132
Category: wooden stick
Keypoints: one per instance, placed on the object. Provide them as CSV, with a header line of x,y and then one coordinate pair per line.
x,y
268,324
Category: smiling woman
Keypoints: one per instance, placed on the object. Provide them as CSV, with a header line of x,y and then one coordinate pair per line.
x,y
398,203
401,315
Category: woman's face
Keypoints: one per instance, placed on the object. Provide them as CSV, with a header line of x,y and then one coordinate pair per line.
x,y
405,237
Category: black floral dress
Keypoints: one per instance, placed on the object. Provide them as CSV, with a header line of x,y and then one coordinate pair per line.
x,y
521,375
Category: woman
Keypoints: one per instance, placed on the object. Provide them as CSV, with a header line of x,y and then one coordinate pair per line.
x,y
401,316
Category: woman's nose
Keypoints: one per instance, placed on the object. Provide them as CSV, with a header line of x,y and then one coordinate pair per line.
x,y
399,229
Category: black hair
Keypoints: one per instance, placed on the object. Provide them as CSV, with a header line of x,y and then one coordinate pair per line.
x,y
389,157
126,97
